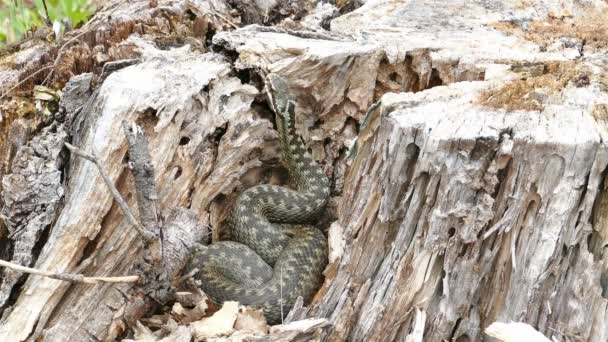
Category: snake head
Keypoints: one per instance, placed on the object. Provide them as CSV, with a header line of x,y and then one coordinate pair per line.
x,y
277,90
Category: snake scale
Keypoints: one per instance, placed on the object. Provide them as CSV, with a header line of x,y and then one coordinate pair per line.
x,y
275,255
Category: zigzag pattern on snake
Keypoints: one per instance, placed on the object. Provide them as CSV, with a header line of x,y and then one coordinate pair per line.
x,y
275,257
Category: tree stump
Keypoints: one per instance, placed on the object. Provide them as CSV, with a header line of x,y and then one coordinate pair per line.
x,y
465,142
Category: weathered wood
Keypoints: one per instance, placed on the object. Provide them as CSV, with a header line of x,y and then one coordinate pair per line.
x,y
453,205
473,215
31,195
475,196
403,247
331,76
113,246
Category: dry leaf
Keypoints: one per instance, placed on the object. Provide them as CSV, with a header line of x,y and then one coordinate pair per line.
x,y
181,334
141,333
220,324
303,326
199,310
178,310
251,320
514,332
185,316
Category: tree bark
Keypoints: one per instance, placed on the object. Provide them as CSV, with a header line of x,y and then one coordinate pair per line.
x,y
465,143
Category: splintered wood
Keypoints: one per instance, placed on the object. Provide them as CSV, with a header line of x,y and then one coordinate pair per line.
x,y
465,141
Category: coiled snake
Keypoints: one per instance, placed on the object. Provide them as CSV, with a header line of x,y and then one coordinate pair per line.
x,y
274,257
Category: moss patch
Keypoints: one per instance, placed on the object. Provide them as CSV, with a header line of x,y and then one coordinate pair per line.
x,y
590,30
538,82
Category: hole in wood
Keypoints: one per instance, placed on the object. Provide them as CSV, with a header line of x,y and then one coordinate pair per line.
x,y
350,122
451,231
463,251
218,133
393,76
178,172
148,119
435,79
317,123
184,140
455,329
483,146
412,151
604,284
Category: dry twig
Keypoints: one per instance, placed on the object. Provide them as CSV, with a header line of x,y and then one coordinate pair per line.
x,y
226,20
145,234
46,12
79,278
25,79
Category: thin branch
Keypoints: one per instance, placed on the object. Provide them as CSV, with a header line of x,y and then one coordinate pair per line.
x,y
73,39
281,284
78,278
52,67
146,235
25,79
186,276
59,54
46,11
224,19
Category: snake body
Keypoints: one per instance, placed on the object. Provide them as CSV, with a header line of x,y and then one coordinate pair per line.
x,y
275,255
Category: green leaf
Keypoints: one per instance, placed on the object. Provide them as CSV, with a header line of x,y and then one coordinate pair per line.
x,y
16,18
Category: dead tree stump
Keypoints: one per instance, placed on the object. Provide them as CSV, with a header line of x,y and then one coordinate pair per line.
x,y
465,142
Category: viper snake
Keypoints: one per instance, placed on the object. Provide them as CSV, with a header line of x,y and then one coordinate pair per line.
x,y
275,255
